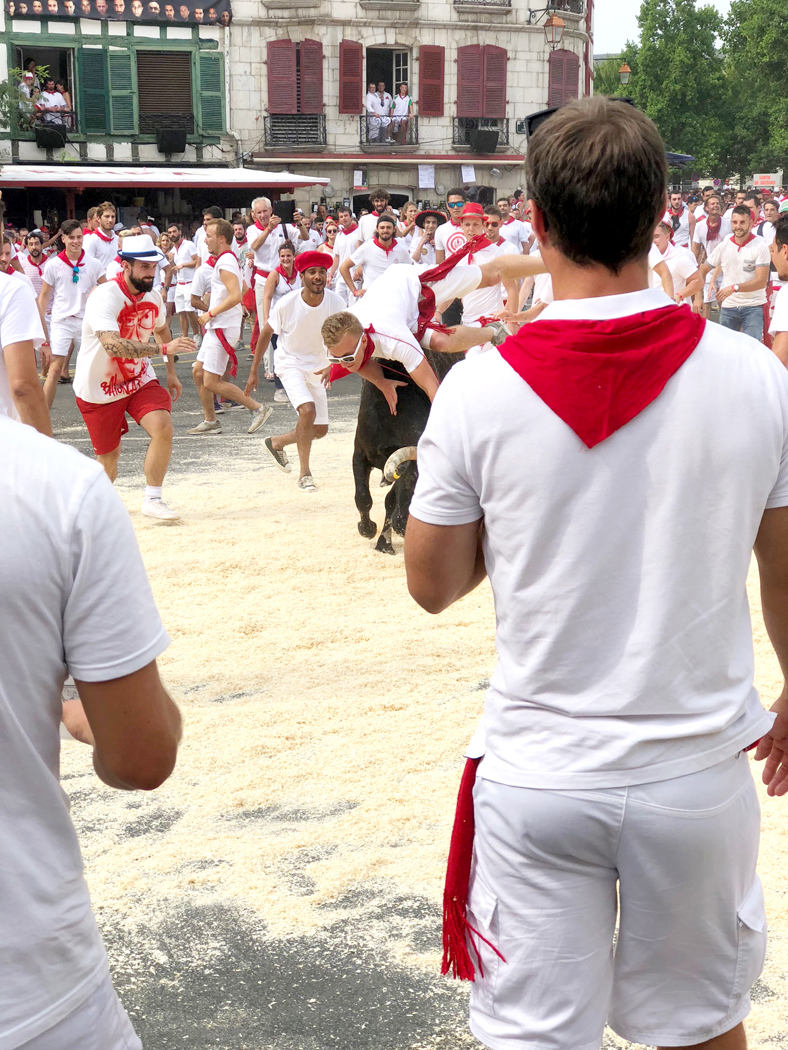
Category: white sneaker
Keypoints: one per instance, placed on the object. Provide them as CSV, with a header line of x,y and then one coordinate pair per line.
x,y
281,397
259,417
211,426
307,483
157,508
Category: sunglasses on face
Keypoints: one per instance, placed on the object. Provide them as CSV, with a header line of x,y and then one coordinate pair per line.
x,y
492,225
455,204
346,359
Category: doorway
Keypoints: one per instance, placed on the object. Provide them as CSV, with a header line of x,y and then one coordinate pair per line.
x,y
60,64
388,65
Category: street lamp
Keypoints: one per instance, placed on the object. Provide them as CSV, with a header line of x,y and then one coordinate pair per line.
x,y
554,30
624,74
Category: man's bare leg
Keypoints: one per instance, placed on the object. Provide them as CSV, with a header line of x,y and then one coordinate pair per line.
x,y
183,320
158,425
735,1039
216,385
56,366
109,462
194,323
206,397
306,431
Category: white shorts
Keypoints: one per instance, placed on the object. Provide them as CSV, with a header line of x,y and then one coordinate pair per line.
x,y
183,299
62,333
709,291
100,1023
302,387
212,355
548,865
171,293
259,295
458,282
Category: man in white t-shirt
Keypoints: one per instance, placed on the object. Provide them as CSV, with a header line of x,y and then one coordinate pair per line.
x,y
32,261
297,320
514,230
367,224
612,872
102,244
69,278
21,334
267,236
449,237
375,257
51,104
683,266
778,328
185,260
76,602
222,321
344,246
711,229
114,376
744,259
213,212
682,221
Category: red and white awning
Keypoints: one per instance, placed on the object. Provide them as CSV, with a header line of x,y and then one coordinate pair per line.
x,y
77,177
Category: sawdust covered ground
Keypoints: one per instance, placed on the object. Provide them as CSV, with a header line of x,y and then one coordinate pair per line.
x,y
283,888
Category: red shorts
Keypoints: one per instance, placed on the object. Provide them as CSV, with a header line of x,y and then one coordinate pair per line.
x,y
107,423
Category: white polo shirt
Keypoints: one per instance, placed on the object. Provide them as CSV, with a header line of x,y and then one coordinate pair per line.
x,y
738,265
619,572
68,296
449,238
516,232
184,253
374,260
297,325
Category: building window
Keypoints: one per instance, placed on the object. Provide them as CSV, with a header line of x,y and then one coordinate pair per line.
x,y
481,81
432,63
389,67
59,62
164,91
295,94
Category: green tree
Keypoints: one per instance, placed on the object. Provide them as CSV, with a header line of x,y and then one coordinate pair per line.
x,y
756,54
606,81
679,78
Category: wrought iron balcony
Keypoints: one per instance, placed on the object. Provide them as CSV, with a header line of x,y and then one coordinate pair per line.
x,y
288,130
388,132
465,132
567,7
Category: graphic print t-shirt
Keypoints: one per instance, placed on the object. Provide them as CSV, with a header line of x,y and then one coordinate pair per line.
x,y
100,378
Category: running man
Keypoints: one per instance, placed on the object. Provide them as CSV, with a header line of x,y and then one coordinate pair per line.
x,y
185,260
114,376
102,244
70,277
217,352
297,320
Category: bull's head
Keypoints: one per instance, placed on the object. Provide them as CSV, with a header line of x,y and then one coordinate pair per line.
x,y
393,467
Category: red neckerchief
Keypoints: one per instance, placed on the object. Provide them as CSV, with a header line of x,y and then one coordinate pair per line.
x,y
679,212
64,258
383,247
350,229
377,214
211,261
427,305
339,371
510,219
259,227
227,251
105,239
501,241
239,243
283,271
117,259
40,267
598,375
744,243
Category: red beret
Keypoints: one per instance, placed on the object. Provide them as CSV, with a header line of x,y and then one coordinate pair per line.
x,y
472,208
307,259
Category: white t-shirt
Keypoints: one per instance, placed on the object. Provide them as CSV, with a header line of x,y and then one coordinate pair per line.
x,y
77,601
449,238
202,280
300,342
19,321
203,251
374,261
400,106
701,235
184,253
391,307
345,244
99,247
51,98
199,238
69,297
779,321
367,227
35,271
266,258
682,265
543,289
516,232
484,302
619,572
233,318
681,235
738,265
99,378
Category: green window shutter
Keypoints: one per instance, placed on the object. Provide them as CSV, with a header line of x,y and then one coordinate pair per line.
x,y
122,93
93,81
211,93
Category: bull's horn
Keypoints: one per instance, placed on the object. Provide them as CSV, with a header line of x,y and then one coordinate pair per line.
x,y
395,461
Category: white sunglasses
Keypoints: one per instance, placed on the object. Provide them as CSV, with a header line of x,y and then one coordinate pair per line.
x,y
346,359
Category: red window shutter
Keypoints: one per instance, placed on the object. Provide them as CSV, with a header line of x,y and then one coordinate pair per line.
x,y
311,76
432,61
469,81
494,81
351,76
282,84
563,77
571,76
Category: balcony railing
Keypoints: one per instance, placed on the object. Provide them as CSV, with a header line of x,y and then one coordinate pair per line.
x,y
286,130
465,132
483,3
572,7
388,132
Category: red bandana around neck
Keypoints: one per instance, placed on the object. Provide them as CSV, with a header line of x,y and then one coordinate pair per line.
x,y
64,258
121,282
38,266
510,219
743,243
383,247
211,261
103,236
349,229
290,278
239,243
598,375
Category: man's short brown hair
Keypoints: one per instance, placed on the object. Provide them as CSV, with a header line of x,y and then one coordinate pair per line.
x,y
597,171
337,326
106,206
70,225
91,213
223,228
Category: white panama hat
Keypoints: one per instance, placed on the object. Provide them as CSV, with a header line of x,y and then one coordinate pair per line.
x,y
141,248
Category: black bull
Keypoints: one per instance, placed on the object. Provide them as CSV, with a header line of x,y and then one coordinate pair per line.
x,y
379,434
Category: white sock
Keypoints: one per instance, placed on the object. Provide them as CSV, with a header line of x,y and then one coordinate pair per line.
x,y
153,492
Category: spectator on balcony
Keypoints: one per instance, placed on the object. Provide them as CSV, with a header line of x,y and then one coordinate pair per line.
x,y
372,106
30,67
28,95
60,85
385,110
51,104
401,112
